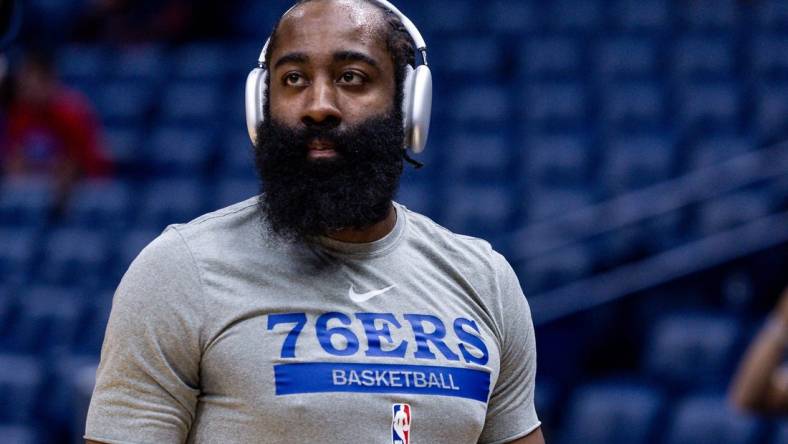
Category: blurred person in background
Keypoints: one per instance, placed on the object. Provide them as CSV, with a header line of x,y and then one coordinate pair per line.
x,y
761,383
50,130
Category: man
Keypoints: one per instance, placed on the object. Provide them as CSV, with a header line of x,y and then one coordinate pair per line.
x,y
345,317
761,384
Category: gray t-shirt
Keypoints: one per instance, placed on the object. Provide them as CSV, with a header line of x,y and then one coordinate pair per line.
x,y
221,333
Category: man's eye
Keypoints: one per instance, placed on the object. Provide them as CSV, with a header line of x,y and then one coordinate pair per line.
x,y
351,78
294,79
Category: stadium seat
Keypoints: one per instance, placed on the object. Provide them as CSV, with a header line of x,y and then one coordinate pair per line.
x,y
25,202
417,197
479,157
718,148
634,161
124,144
577,15
469,57
710,105
557,268
143,63
626,57
512,16
771,108
83,382
732,210
237,157
610,413
769,57
82,63
481,106
550,57
771,14
49,320
780,435
125,102
169,201
633,105
710,15
96,311
200,61
74,256
18,434
100,204
693,350
446,16
542,203
641,15
703,58
21,380
232,191
551,105
709,420
180,151
478,210
191,103
19,250
556,160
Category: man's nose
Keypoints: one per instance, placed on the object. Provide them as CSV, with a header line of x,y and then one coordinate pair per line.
x,y
321,103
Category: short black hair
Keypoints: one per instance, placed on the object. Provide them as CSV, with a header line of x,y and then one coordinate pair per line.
x,y
398,43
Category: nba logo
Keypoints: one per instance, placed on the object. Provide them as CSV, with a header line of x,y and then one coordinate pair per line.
x,y
400,424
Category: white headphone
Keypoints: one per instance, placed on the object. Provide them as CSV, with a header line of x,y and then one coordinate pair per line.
x,y
417,94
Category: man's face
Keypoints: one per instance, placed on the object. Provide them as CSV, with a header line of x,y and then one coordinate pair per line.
x,y
330,66
330,149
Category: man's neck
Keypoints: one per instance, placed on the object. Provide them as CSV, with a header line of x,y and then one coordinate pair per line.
x,y
369,234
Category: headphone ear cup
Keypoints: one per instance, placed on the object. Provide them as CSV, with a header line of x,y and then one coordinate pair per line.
x,y
255,101
420,108
407,105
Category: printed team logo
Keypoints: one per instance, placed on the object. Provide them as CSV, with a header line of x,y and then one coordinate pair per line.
x,y
400,424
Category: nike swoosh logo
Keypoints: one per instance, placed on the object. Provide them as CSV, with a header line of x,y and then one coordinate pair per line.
x,y
362,297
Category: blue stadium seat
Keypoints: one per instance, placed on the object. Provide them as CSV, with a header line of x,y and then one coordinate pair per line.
x,y
25,202
693,350
181,151
713,105
703,58
169,201
124,145
632,105
20,248
732,210
201,61
100,204
191,102
479,210
577,15
769,57
771,14
446,16
74,256
636,160
550,57
417,197
144,63
771,109
610,413
557,159
542,203
780,435
551,105
719,148
21,380
512,16
234,190
124,102
237,157
82,63
639,15
710,15
481,106
626,57
557,268
90,336
479,157
49,319
469,57
709,420
18,434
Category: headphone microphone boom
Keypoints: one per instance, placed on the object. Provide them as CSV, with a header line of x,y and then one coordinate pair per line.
x,y
417,94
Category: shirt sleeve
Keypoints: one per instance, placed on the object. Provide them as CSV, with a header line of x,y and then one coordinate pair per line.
x,y
147,382
510,411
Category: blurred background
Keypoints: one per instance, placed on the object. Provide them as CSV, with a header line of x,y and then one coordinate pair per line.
x,y
627,156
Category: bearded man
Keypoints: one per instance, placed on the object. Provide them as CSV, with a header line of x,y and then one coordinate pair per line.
x,y
320,311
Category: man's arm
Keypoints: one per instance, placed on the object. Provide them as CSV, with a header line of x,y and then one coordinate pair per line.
x,y
759,385
534,437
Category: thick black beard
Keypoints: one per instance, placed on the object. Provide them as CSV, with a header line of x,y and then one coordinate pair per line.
x,y
303,198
